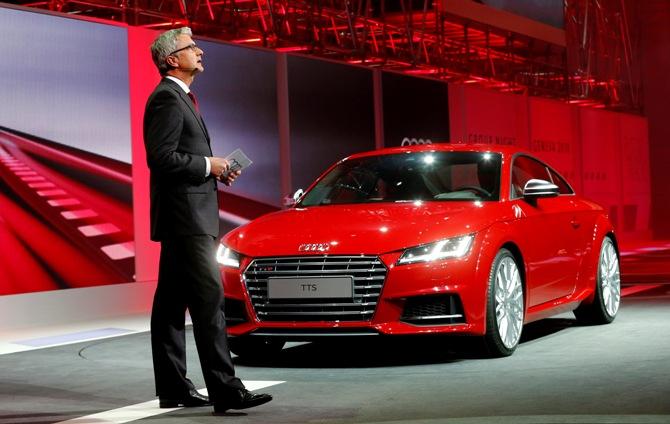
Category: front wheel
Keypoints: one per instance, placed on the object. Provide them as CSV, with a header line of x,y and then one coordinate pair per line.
x,y
607,296
504,306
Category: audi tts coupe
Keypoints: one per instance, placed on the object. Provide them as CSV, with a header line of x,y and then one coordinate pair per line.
x,y
433,239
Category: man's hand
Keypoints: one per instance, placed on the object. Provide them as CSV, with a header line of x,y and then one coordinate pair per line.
x,y
219,170
228,180
219,167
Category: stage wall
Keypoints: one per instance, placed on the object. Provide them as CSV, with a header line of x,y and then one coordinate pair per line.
x,y
487,117
74,209
604,155
416,110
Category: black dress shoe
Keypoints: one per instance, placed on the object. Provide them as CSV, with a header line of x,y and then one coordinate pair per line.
x,y
241,399
192,399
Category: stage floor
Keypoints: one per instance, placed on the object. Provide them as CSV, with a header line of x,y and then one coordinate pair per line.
x,y
561,373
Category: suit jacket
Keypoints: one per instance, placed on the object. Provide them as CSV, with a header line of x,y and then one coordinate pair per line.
x,y
183,200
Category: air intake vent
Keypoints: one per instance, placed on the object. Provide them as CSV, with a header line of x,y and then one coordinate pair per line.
x,y
367,272
433,310
234,312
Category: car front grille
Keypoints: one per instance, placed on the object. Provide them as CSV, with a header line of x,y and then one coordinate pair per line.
x,y
368,274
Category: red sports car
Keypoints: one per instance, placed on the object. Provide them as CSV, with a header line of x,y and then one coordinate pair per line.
x,y
434,239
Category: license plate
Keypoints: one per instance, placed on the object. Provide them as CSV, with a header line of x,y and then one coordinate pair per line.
x,y
316,287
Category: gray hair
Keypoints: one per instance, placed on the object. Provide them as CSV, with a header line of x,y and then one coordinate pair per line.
x,y
165,44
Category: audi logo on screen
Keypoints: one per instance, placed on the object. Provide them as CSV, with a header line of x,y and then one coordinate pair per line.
x,y
415,141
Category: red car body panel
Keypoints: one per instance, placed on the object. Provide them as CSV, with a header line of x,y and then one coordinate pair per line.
x,y
556,241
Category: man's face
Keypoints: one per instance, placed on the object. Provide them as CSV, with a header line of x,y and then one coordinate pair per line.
x,y
187,57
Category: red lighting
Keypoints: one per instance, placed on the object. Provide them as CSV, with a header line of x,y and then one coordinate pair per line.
x,y
474,80
165,24
248,40
421,71
440,45
587,103
293,49
371,61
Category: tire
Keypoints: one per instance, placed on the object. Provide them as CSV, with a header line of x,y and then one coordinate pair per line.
x,y
504,306
607,293
250,347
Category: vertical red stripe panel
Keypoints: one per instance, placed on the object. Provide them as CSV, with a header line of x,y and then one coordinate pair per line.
x,y
552,137
143,77
601,164
636,185
483,116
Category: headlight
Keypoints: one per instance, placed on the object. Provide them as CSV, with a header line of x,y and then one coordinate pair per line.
x,y
455,247
227,257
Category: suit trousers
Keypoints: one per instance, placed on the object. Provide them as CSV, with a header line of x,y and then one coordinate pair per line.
x,y
188,278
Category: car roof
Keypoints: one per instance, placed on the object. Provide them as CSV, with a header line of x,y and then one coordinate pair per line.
x,y
444,147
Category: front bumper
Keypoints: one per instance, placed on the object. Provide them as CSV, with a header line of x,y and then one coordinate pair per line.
x,y
422,298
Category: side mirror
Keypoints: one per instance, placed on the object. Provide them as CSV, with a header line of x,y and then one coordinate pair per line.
x,y
291,201
539,188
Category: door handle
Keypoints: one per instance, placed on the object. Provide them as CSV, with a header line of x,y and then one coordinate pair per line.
x,y
575,224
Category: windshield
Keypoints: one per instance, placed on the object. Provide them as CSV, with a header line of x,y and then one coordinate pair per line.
x,y
408,177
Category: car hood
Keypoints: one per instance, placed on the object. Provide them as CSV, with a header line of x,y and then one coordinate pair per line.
x,y
361,228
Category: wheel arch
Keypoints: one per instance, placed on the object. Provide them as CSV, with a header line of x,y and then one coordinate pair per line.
x,y
611,235
500,237
518,257
587,280
493,339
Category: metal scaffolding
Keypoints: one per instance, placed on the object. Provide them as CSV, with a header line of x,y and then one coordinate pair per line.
x,y
603,58
596,67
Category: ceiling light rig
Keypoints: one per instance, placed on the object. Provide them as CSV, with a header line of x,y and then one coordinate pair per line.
x,y
590,63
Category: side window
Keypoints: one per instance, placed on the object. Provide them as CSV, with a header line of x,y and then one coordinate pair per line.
x,y
563,187
525,168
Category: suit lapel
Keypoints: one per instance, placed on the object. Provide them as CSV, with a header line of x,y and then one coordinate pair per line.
x,y
204,127
189,104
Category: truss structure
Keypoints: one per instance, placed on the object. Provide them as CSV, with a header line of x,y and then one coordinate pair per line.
x,y
603,57
596,67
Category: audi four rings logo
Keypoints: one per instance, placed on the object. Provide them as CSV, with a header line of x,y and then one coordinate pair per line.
x,y
413,141
314,247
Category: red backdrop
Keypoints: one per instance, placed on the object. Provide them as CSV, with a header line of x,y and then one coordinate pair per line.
x,y
604,155
483,116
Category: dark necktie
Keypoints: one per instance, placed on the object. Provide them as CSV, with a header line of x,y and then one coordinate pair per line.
x,y
193,99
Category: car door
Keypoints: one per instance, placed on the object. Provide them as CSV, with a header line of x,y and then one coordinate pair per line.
x,y
548,234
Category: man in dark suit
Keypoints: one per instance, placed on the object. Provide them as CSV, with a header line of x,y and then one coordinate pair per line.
x,y
185,219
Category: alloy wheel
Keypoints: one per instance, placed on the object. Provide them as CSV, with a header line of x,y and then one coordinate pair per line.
x,y
508,302
610,280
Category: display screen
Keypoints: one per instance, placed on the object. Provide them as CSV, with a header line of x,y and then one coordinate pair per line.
x,y
237,95
67,82
65,152
331,115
